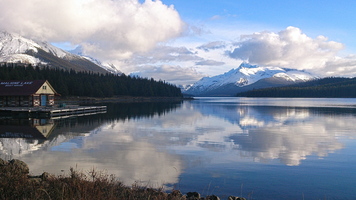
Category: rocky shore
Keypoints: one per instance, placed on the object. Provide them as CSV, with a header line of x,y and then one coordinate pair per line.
x,y
17,183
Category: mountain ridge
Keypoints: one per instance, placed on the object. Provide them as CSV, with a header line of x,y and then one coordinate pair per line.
x,y
17,49
247,77
329,87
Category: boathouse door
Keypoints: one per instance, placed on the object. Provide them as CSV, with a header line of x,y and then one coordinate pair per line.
x,y
43,100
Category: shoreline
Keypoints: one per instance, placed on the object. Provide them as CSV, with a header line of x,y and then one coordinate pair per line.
x,y
121,99
17,183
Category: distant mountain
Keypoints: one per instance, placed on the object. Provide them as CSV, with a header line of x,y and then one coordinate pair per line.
x,y
17,49
247,77
107,66
332,87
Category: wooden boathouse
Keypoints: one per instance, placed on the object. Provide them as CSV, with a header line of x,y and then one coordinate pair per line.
x,y
26,93
35,99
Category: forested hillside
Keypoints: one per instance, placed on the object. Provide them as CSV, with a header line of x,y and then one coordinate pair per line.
x,y
327,87
72,83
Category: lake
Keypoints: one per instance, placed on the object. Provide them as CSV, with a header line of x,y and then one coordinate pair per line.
x,y
258,148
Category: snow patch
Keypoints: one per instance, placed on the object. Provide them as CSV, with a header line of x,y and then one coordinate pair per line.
x,y
21,58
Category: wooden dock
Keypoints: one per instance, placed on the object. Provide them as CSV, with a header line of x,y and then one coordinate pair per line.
x,y
51,112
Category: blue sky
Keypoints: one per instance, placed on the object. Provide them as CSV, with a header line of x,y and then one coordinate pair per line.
x,y
333,19
181,41
310,15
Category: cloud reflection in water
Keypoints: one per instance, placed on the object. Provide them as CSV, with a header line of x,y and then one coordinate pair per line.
x,y
158,148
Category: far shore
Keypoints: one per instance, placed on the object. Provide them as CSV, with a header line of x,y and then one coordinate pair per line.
x,y
119,99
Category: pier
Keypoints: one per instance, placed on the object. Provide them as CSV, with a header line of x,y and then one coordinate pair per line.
x,y
51,112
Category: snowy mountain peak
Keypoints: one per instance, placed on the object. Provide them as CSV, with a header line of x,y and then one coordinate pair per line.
x,y
17,49
16,44
246,75
108,66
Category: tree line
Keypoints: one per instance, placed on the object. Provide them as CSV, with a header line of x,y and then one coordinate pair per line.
x,y
330,87
90,84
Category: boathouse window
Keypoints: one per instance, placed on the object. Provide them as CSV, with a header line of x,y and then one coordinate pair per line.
x,y
44,87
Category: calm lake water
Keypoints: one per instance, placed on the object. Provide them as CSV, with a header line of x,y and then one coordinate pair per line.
x,y
257,148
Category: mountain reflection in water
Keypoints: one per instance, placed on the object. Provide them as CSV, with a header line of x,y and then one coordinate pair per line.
x,y
162,143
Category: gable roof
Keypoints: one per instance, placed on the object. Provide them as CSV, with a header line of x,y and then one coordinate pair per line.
x,y
21,88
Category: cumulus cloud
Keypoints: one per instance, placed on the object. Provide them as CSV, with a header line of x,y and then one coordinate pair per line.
x,y
107,29
162,53
287,48
345,66
173,74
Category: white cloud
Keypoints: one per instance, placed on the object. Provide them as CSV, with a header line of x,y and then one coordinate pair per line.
x,y
215,17
210,62
345,66
173,74
107,29
287,48
162,53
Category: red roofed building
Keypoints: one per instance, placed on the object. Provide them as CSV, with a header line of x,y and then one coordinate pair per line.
x,y
26,93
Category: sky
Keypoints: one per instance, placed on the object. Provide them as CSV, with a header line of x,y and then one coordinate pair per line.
x,y
181,41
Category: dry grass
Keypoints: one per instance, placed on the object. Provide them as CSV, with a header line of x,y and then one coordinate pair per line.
x,y
15,184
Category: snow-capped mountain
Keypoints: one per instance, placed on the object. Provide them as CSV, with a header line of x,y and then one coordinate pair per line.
x,y
14,48
17,49
247,77
108,66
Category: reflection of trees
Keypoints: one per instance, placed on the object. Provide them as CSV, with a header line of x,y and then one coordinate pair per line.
x,y
112,141
120,152
124,111
69,128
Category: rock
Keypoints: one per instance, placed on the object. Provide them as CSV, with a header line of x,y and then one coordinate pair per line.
x,y
45,176
175,193
212,197
3,162
20,166
193,196
235,198
35,180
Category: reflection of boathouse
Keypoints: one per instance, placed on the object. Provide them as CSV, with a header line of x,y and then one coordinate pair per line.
x,y
26,128
26,93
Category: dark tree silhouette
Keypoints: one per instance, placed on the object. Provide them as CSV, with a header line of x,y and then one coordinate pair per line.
x,y
73,83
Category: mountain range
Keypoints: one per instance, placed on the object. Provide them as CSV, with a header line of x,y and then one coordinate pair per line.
x,y
17,49
247,77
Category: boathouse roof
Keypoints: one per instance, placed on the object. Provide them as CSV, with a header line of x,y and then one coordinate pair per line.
x,y
22,88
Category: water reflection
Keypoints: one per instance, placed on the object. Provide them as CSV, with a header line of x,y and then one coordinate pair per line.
x,y
157,143
289,134
92,142
26,128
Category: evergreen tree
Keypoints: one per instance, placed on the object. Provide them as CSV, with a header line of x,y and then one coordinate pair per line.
x,y
73,83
